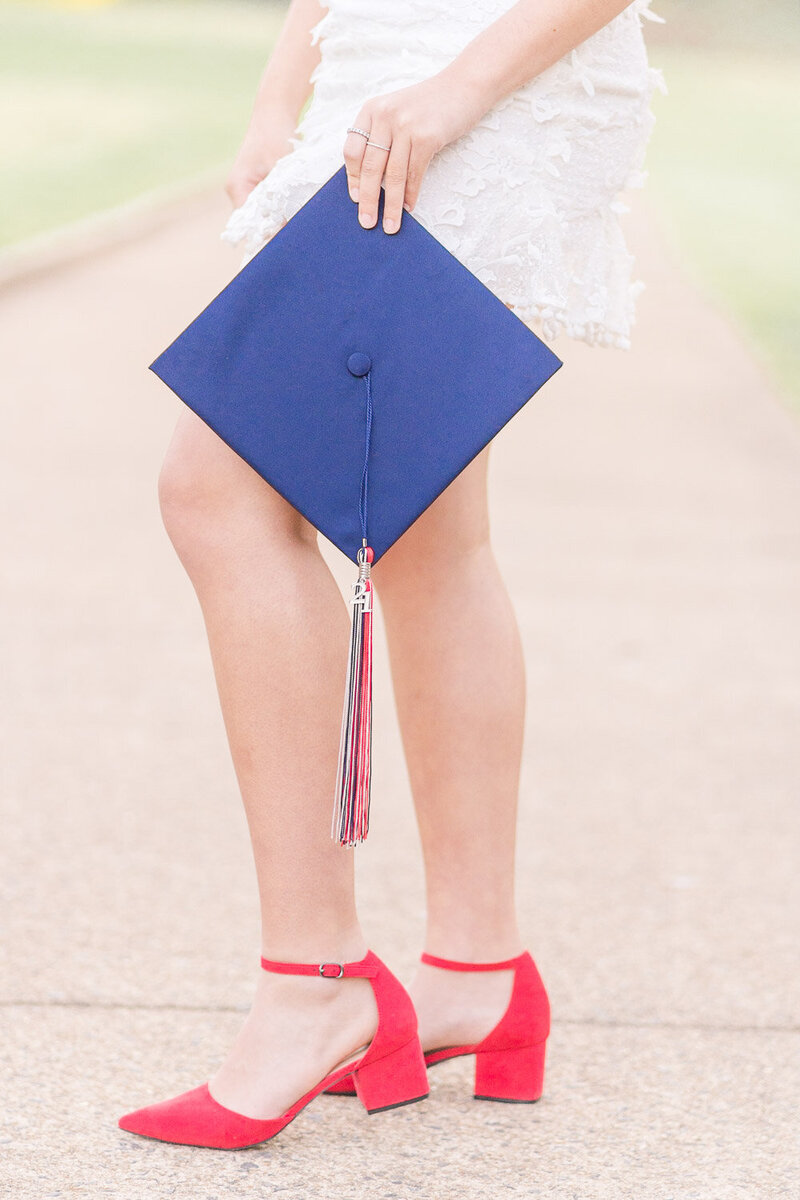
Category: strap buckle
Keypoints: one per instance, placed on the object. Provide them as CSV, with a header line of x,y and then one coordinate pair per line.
x,y
326,974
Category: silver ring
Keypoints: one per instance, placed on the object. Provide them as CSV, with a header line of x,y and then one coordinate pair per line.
x,y
380,147
355,129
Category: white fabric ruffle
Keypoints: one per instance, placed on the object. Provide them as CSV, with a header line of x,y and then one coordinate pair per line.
x,y
529,199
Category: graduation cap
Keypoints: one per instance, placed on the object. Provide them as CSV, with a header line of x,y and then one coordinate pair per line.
x,y
358,372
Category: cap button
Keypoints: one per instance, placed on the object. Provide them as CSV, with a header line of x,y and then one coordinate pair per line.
x,y
359,363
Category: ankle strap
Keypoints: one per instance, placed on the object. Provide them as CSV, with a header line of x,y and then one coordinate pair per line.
x,y
452,965
366,967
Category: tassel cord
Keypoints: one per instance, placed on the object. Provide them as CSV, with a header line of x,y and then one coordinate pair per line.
x,y
362,501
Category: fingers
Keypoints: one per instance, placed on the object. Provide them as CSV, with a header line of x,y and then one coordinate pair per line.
x,y
390,157
354,145
238,188
237,195
373,164
394,183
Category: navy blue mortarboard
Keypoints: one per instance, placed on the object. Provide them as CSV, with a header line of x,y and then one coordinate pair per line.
x,y
358,372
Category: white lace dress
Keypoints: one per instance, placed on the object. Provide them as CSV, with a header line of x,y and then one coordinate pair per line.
x,y
530,198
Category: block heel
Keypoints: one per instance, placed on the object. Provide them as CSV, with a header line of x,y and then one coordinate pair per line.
x,y
397,1078
515,1076
509,1062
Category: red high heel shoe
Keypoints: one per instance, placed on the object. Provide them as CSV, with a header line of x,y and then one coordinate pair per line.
x,y
509,1061
389,1073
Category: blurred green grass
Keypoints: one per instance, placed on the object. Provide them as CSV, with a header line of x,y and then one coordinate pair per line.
x,y
100,105
724,161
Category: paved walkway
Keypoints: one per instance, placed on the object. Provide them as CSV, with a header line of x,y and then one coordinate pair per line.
x,y
645,508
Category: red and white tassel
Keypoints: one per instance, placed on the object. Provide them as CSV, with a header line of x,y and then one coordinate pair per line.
x,y
350,823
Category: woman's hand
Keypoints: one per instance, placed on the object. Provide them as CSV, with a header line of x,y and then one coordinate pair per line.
x,y
264,143
282,92
414,122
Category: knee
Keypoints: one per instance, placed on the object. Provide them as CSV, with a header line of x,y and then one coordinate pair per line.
x,y
214,506
188,496
426,556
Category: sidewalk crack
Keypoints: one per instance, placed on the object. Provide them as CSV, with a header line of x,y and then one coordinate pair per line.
x,y
597,1022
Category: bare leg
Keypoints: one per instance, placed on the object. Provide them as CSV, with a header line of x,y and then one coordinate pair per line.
x,y
277,629
459,684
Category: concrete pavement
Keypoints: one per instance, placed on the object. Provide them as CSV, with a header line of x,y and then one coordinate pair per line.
x,y
645,509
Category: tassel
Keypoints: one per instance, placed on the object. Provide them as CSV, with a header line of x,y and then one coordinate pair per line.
x,y
350,823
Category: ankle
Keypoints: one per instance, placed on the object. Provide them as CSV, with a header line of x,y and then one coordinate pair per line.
x,y
313,996
343,944
474,944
